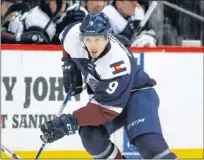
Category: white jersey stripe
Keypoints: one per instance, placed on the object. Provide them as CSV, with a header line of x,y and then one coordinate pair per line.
x,y
115,109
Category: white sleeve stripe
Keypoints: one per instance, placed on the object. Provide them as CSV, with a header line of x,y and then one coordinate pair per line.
x,y
115,109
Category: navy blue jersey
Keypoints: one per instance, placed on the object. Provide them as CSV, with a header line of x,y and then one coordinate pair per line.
x,y
111,76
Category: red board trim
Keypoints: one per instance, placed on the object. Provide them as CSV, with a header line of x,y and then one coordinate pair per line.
x,y
169,49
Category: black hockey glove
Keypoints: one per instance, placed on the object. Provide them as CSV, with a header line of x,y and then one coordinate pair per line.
x,y
72,76
33,37
89,90
57,128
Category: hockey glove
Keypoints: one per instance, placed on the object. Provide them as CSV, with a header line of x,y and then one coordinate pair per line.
x,y
145,39
57,128
32,37
72,76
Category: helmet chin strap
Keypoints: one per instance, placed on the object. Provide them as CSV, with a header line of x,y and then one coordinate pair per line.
x,y
107,41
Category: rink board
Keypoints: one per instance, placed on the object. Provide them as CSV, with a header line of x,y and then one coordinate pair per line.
x,y
36,72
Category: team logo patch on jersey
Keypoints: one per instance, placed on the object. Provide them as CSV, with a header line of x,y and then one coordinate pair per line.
x,y
117,67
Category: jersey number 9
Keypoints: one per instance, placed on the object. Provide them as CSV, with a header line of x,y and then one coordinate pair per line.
x,y
112,87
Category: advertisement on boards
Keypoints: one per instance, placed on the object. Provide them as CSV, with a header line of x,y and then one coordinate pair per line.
x,y
32,93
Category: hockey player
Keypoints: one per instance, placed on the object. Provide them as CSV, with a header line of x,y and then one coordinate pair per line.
x,y
75,13
35,26
123,94
69,13
125,16
94,6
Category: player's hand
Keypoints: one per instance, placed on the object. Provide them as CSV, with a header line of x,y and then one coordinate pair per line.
x,y
57,128
145,39
72,76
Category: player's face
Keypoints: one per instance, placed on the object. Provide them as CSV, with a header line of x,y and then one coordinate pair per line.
x,y
127,7
95,6
95,45
53,7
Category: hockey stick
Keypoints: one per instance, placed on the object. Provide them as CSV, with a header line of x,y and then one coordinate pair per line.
x,y
6,150
9,152
59,7
144,21
58,114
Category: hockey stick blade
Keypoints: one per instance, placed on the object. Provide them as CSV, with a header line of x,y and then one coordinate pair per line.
x,y
58,114
9,152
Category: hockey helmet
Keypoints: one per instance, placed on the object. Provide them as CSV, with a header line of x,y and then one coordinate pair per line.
x,y
95,25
